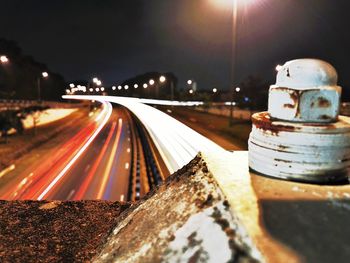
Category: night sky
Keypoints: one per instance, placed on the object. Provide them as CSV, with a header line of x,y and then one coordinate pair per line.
x,y
117,39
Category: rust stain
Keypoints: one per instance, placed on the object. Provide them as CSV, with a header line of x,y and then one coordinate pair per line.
x,y
323,103
289,106
264,122
325,117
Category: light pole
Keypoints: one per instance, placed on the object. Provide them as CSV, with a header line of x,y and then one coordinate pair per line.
x,y
43,75
233,53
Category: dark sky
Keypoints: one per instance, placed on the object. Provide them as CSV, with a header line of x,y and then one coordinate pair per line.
x,y
117,39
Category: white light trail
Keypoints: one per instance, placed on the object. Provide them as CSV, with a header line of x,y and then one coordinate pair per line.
x,y
176,143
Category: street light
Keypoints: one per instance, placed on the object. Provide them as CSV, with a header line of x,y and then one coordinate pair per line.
x,y
4,59
43,75
119,87
151,82
238,89
162,79
126,87
136,86
235,6
114,87
95,80
189,82
191,91
279,67
215,90
71,85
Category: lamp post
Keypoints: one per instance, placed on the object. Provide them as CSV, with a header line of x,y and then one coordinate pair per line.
x,y
233,53
43,75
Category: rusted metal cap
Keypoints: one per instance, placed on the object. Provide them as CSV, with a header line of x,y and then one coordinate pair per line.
x,y
302,137
303,152
305,91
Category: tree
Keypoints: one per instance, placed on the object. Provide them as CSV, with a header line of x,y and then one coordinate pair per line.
x,y
19,77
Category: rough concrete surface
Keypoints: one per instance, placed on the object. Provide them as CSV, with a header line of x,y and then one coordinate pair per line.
x,y
187,219
42,231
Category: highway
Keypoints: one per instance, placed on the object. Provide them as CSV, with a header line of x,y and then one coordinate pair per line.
x,y
111,158
177,143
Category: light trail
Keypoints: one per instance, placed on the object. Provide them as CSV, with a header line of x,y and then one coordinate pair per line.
x,y
82,190
176,143
110,161
107,110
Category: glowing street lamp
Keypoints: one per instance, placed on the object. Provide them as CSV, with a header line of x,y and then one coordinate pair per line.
x,y
215,90
145,86
120,87
97,89
98,82
162,79
235,6
71,85
95,80
4,59
114,87
191,91
238,89
136,86
189,82
279,67
151,82
43,75
126,87
91,89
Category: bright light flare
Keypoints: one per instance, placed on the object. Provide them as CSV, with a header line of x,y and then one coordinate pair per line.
x,y
114,87
162,79
279,67
136,86
45,74
151,82
189,82
229,3
215,90
4,59
238,89
126,87
145,86
120,87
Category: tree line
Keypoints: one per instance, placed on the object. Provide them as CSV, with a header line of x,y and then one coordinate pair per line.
x,y
19,77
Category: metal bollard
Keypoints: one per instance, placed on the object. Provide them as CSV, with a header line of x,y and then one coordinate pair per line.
x,y
302,137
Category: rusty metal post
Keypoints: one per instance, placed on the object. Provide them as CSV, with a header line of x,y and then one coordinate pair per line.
x,y
302,137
